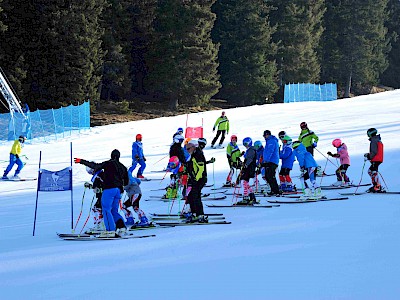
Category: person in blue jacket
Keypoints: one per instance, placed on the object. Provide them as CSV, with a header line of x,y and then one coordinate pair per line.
x,y
287,157
308,167
138,157
271,161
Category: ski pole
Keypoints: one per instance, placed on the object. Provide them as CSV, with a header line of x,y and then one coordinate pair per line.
x,y
323,172
336,165
80,214
383,180
362,172
160,159
87,219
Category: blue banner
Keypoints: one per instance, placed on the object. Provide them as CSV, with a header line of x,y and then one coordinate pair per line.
x,y
55,181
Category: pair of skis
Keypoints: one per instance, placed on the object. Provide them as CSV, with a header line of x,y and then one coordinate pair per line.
x,y
98,237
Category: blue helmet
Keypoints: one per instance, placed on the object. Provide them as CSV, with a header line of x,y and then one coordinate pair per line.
x,y
257,145
247,142
180,129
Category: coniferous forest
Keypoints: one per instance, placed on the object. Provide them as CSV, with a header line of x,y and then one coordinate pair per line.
x,y
186,52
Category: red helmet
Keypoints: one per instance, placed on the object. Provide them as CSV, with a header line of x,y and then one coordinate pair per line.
x,y
336,143
139,137
234,137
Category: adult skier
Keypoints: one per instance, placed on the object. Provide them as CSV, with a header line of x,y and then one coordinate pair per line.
x,y
248,171
375,156
196,181
138,157
308,138
343,155
271,161
115,178
15,153
222,125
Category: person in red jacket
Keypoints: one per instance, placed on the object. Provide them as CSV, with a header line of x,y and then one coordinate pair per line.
x,y
375,156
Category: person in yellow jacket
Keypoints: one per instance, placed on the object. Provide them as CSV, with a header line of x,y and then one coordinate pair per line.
x,y
222,125
308,138
14,158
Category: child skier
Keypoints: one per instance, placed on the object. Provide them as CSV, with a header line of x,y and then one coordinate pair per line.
x,y
134,195
233,154
287,156
308,138
248,171
307,168
96,183
222,125
375,156
343,155
138,157
15,153
178,181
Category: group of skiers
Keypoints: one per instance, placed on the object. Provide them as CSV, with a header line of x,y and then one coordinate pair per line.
x,y
187,164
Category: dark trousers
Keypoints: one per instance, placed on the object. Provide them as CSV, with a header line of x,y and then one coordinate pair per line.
x,y
270,171
219,132
310,149
194,200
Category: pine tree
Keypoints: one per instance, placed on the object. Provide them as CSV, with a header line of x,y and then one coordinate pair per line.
x,y
391,76
247,69
299,30
358,48
183,58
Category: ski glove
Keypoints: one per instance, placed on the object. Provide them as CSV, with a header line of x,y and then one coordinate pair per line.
x,y
137,157
213,129
17,156
77,160
366,156
329,153
212,160
144,158
314,145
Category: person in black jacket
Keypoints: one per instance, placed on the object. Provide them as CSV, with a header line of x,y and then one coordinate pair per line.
x,y
177,150
248,171
115,178
197,178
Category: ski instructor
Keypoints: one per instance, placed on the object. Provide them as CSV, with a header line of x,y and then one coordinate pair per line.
x,y
115,178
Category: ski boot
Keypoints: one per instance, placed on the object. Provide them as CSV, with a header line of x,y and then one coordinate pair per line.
x,y
244,201
253,199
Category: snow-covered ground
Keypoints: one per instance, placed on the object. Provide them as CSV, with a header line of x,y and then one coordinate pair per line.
x,y
326,250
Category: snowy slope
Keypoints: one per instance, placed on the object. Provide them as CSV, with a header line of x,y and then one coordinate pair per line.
x,y
326,250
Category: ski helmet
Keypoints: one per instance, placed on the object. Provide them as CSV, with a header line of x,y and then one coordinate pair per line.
x,y
90,170
223,113
287,140
296,144
22,139
173,162
115,154
257,145
139,137
303,125
372,132
336,143
180,130
202,142
178,139
266,132
192,143
233,137
247,142
282,134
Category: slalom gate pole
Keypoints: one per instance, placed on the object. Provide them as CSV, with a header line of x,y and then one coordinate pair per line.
x,y
336,165
37,193
80,213
362,172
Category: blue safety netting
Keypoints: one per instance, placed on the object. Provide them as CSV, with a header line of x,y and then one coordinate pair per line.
x,y
302,92
46,124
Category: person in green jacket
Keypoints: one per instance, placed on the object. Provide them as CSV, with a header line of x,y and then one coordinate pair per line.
x,y
222,125
308,138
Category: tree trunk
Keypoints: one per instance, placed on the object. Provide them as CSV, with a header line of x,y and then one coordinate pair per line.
x,y
348,86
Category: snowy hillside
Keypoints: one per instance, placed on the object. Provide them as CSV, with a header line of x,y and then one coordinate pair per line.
x,y
327,250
